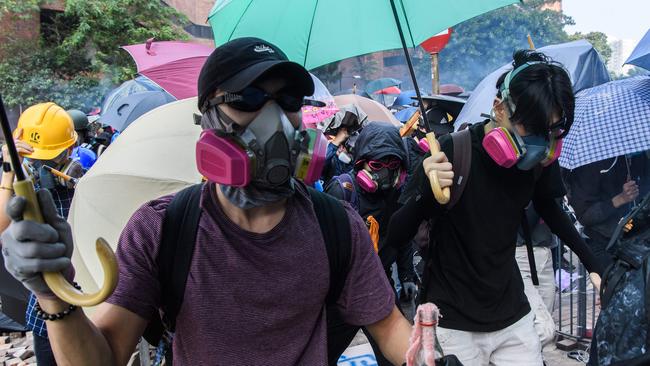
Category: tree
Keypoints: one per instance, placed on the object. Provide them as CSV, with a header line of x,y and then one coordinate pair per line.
x,y
77,57
482,44
598,40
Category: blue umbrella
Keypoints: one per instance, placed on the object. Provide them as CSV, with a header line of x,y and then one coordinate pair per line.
x,y
127,109
611,120
405,114
578,57
404,98
380,84
641,55
136,85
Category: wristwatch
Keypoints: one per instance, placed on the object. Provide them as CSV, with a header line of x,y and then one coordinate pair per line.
x,y
6,167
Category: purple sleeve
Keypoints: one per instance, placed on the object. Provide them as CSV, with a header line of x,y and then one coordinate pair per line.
x,y
138,289
367,296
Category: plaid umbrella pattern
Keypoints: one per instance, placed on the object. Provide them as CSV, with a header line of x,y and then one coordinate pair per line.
x,y
611,119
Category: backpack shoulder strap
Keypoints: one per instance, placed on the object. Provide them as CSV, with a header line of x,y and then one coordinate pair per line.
x,y
179,230
335,228
462,163
528,239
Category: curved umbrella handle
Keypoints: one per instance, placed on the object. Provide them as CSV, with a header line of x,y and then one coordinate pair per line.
x,y
55,280
66,292
442,195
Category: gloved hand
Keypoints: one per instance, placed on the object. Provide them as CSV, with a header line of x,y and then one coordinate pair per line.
x,y
409,290
30,248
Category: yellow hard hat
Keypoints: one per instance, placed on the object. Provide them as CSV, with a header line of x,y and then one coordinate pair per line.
x,y
48,129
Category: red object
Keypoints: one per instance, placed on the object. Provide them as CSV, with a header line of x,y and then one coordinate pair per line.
x,y
389,90
436,43
451,89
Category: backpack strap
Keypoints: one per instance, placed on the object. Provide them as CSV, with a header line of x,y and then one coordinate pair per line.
x,y
179,230
529,248
335,228
462,163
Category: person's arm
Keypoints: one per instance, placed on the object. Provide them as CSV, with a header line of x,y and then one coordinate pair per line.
x,y
392,335
560,224
6,192
108,340
587,199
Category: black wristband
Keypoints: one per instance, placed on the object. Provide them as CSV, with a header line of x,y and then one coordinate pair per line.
x,y
58,316
6,167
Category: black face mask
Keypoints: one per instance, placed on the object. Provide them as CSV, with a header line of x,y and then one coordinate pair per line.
x,y
385,179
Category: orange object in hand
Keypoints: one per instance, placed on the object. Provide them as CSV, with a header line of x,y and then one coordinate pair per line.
x,y
373,230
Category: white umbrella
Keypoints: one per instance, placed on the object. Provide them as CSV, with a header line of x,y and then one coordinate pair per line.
x,y
152,158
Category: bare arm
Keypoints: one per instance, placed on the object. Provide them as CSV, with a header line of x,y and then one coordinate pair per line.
x,y
108,340
392,334
6,192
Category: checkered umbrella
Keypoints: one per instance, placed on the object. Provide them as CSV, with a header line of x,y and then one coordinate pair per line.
x,y
611,119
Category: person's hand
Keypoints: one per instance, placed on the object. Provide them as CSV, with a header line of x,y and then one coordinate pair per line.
x,y
341,136
630,193
22,147
409,290
30,248
595,280
439,163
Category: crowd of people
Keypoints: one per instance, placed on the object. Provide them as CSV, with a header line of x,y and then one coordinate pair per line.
x,y
265,283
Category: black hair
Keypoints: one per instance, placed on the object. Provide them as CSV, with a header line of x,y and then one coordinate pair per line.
x,y
538,91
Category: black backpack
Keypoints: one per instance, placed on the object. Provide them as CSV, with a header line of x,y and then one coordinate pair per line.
x,y
622,332
179,237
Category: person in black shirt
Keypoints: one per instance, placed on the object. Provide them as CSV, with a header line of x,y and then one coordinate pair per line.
x,y
471,272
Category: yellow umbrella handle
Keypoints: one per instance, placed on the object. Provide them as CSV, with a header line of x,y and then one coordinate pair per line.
x,y
442,195
55,280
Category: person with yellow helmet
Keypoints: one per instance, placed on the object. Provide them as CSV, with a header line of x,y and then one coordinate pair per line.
x,y
45,136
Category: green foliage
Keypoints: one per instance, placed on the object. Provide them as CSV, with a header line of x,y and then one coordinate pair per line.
x,y
598,40
482,44
78,56
22,9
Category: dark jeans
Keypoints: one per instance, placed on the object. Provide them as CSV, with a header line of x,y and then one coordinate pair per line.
x,y
43,351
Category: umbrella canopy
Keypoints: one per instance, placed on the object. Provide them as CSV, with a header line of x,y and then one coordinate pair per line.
x,y
359,92
136,85
451,89
585,67
373,109
611,120
391,90
173,65
152,158
312,115
379,84
404,98
406,113
641,55
446,103
128,108
303,28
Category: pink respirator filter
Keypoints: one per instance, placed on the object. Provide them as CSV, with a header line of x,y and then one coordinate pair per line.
x,y
502,149
222,161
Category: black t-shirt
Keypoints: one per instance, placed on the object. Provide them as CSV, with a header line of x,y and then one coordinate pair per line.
x,y
475,280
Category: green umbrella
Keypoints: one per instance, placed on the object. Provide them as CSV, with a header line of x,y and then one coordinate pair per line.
x,y
317,32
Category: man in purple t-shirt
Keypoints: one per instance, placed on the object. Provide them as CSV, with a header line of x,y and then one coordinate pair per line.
x,y
258,280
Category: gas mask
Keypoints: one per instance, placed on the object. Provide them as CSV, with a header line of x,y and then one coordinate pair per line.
x,y
256,164
382,177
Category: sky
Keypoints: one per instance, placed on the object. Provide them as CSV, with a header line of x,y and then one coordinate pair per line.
x,y
622,19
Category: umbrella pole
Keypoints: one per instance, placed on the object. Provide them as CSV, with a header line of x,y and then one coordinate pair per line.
x,y
441,195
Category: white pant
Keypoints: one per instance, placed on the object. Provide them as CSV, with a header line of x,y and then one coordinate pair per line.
x,y
542,297
516,345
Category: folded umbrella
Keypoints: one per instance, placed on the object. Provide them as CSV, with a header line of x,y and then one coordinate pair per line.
x,y
611,120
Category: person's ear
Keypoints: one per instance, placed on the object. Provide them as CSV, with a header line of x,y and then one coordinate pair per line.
x,y
499,108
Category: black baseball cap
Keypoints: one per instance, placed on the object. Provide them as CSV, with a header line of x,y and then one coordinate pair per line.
x,y
236,64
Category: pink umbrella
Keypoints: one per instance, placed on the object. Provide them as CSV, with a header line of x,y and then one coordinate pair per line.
x,y
173,65
389,90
